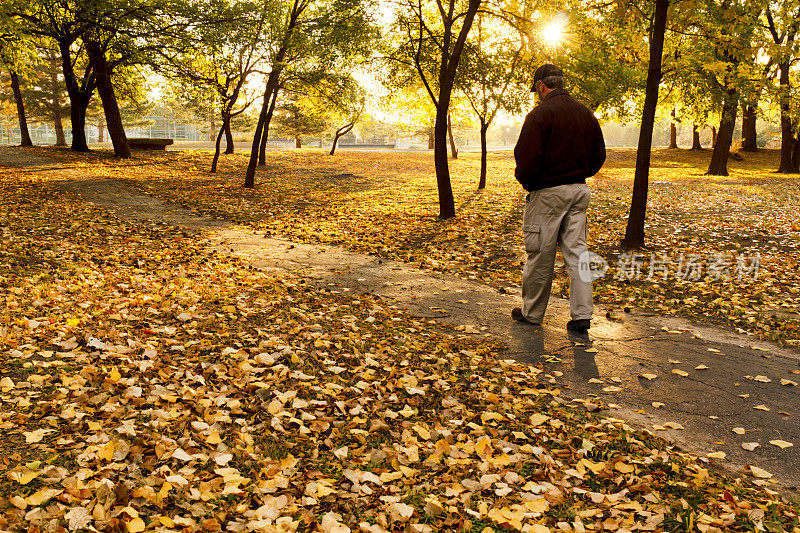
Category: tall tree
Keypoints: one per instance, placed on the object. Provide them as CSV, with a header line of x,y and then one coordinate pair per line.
x,y
301,117
729,27
46,94
220,58
11,57
433,36
634,232
783,23
347,102
125,34
60,21
491,78
23,120
95,38
306,39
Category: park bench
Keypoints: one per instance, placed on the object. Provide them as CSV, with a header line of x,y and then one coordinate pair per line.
x,y
145,143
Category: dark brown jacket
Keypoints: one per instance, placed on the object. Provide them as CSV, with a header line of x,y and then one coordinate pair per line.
x,y
560,142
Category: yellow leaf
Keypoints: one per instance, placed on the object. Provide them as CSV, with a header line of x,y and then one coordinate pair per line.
x,y
538,419
625,468
135,526
214,438
761,407
781,443
19,502
537,506
275,407
72,322
650,377
422,432
760,472
717,455
680,372
114,375
35,435
594,467
41,496
106,453
407,411
23,478
166,521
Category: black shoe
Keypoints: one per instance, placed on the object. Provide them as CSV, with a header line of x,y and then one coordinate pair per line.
x,y
517,315
581,326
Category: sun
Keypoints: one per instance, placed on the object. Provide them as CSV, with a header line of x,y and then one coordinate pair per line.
x,y
553,32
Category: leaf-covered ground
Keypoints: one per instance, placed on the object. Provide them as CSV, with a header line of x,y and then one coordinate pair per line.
x,y
146,384
385,203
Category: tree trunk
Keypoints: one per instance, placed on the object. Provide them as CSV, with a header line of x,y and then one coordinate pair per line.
x,y
116,131
713,136
749,143
634,232
430,139
226,125
447,208
267,106
724,138
262,150
100,132
796,155
262,130
696,138
250,175
453,149
297,142
58,125
673,132
23,120
217,148
77,115
79,97
344,130
482,182
787,136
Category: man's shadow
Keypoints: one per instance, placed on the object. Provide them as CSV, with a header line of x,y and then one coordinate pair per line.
x,y
584,363
551,347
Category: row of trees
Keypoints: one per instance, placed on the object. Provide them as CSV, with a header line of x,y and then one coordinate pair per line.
x,y
697,61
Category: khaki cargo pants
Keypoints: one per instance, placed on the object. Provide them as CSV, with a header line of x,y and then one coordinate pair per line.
x,y
556,215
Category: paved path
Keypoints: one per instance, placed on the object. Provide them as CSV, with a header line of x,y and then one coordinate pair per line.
x,y
721,376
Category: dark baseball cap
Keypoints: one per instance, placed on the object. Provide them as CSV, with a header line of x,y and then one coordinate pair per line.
x,y
545,71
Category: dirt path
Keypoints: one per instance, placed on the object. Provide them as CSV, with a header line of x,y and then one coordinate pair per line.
x,y
609,363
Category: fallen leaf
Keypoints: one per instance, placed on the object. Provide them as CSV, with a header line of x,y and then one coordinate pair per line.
x,y
760,472
781,443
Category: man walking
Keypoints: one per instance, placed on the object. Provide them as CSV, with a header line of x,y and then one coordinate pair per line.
x,y
559,146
